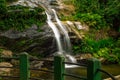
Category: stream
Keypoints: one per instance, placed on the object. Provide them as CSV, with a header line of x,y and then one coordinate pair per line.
x,y
113,69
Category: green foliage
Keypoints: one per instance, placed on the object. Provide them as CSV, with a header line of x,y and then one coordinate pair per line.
x,y
98,43
107,12
3,41
9,1
87,6
103,52
3,8
106,53
90,45
111,13
106,48
99,14
20,17
116,50
93,20
1,50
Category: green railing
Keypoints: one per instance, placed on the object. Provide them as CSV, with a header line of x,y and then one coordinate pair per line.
x,y
93,67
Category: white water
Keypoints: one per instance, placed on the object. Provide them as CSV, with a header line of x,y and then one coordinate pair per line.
x,y
56,33
63,48
66,44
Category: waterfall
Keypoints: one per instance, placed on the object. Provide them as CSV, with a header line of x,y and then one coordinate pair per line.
x,y
67,43
63,42
56,32
60,44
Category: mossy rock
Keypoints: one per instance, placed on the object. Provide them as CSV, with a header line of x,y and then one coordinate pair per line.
x,y
20,17
40,44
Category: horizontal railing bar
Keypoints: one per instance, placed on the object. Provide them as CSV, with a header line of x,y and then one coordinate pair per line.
x,y
10,76
29,59
42,70
8,67
79,64
35,78
41,60
110,75
75,76
9,57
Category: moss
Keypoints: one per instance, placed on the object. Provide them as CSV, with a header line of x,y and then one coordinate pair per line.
x,y
20,17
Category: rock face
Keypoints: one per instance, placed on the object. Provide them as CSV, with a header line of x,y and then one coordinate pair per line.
x,y
6,53
31,40
39,41
5,71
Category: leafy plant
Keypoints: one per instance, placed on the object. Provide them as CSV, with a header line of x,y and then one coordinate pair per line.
x,y
103,52
1,50
93,20
100,12
3,8
27,16
89,45
116,53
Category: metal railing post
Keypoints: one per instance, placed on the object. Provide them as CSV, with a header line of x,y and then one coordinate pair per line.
x,y
24,66
59,68
92,69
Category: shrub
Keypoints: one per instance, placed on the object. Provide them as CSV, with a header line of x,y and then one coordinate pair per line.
x,y
93,20
3,8
108,10
20,17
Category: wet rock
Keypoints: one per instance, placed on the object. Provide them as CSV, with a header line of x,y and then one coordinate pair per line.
x,y
36,64
5,71
53,2
6,53
83,56
116,78
40,43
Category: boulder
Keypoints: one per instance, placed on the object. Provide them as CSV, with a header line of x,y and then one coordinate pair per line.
x,y
116,78
6,53
36,40
5,71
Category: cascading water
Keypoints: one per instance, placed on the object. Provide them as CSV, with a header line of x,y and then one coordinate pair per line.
x,y
67,43
56,32
64,48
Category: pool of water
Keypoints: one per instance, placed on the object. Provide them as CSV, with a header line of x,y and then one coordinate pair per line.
x,y
113,69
